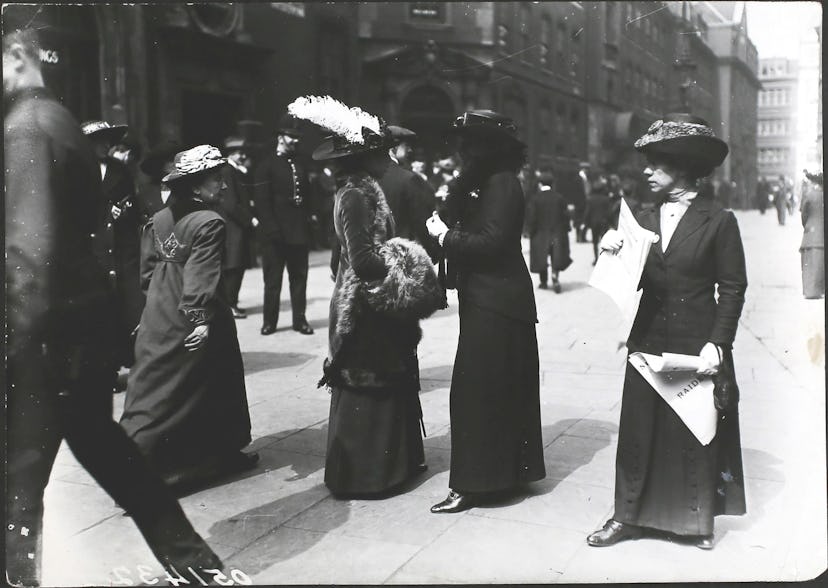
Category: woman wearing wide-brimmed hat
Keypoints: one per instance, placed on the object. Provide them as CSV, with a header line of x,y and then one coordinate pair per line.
x,y
383,287
186,403
812,250
495,407
665,479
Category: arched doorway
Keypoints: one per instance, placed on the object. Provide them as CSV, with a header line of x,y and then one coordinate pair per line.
x,y
69,53
428,110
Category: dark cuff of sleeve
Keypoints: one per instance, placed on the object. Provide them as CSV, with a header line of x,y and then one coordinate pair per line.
x,y
198,316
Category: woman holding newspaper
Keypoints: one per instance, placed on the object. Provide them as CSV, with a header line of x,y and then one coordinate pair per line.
x,y
666,480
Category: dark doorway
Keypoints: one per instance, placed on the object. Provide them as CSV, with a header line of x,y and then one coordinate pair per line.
x,y
209,118
429,111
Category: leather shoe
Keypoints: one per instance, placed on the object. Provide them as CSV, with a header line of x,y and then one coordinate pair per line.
x,y
238,313
613,532
705,542
268,329
303,328
454,502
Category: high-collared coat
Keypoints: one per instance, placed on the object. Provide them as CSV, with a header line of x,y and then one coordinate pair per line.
x,y
665,478
277,179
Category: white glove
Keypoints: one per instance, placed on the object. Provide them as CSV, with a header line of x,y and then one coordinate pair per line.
x,y
255,222
611,241
436,227
710,359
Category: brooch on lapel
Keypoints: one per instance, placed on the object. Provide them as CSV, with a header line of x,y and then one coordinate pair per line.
x,y
474,194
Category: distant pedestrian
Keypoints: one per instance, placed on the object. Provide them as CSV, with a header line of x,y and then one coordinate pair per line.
x,y
286,213
762,195
239,221
374,439
157,163
494,400
780,200
60,356
409,196
186,403
118,234
812,249
597,213
665,479
547,223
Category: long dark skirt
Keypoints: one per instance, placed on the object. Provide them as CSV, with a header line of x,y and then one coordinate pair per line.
x,y
374,440
495,404
813,272
664,478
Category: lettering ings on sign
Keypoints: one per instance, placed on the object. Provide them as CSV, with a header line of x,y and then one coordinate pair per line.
x,y
49,56
431,11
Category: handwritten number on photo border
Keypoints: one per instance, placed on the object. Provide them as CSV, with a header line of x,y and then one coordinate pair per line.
x,y
144,574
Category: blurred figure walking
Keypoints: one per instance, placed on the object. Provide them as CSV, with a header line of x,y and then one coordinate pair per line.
x,y
547,224
61,358
812,249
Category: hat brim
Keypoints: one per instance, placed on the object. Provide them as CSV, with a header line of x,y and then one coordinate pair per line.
x,y
484,132
113,133
710,151
326,150
176,176
291,133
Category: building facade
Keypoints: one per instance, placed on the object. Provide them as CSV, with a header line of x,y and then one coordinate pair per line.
x,y
777,118
738,85
423,63
191,71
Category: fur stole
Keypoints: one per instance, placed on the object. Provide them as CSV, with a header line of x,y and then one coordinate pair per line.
x,y
410,289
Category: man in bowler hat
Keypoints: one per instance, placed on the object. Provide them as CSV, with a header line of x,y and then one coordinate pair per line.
x,y
283,204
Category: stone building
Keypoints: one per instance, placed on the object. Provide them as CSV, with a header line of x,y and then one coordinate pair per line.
x,y
425,62
192,71
738,84
777,118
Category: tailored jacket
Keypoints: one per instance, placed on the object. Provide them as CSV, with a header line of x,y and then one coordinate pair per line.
x,y
411,200
483,249
812,209
118,242
234,208
282,220
678,311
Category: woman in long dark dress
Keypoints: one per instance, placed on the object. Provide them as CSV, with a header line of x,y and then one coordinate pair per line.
x,y
186,403
495,406
374,439
666,480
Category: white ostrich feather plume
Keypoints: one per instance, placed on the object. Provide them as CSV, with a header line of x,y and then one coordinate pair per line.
x,y
335,116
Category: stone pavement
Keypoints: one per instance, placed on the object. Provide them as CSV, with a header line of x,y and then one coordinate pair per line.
x,y
279,524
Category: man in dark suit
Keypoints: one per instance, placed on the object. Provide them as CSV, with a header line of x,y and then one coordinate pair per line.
x,y
118,234
597,213
239,221
60,356
410,198
285,211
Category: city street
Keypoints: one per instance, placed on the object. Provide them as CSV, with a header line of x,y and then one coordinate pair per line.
x,y
278,524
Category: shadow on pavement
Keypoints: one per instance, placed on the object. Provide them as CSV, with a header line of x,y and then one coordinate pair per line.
x,y
284,305
435,377
259,361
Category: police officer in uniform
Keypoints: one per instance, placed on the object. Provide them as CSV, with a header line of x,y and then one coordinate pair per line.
x,y
285,212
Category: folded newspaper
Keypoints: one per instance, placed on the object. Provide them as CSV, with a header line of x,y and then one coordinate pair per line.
x,y
690,395
619,274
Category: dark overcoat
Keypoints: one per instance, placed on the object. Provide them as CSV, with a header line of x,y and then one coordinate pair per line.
x,y
374,440
185,406
282,219
665,478
494,401
547,223
234,208
598,211
411,200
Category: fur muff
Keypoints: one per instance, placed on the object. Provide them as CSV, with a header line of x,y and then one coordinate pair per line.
x,y
410,290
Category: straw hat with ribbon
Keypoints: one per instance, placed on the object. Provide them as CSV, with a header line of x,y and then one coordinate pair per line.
x,y
101,128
